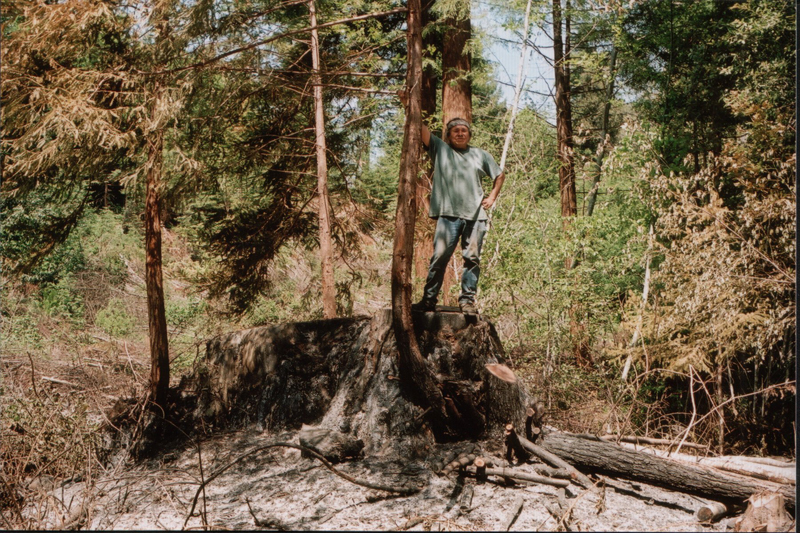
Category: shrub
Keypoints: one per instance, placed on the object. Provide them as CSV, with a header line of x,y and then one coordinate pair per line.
x,y
114,319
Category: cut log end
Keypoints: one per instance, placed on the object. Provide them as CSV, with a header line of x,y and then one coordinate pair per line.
x,y
711,512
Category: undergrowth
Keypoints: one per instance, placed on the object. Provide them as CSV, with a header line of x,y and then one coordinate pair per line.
x,y
74,336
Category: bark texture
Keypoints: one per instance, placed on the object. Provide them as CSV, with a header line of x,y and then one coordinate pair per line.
x,y
157,320
344,375
601,149
456,66
566,171
614,460
425,225
324,209
413,369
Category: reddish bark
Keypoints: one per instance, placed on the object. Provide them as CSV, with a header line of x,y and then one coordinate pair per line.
x,y
413,368
456,93
566,171
159,349
456,67
425,226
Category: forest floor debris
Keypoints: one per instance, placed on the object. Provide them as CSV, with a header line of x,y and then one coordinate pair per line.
x,y
280,489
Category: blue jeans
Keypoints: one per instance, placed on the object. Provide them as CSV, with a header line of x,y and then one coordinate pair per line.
x,y
445,239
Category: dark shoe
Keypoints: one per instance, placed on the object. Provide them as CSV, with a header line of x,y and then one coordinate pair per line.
x,y
468,308
424,306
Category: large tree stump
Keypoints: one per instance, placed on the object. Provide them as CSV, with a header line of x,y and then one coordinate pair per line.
x,y
342,374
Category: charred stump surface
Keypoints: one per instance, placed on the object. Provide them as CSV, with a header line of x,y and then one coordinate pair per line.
x,y
342,375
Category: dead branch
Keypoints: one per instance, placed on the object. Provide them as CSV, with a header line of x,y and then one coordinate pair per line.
x,y
76,520
559,516
271,523
512,516
61,382
557,462
516,474
309,451
513,446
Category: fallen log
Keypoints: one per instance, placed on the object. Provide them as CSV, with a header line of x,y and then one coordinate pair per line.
x,y
656,442
608,458
786,475
465,505
463,460
780,463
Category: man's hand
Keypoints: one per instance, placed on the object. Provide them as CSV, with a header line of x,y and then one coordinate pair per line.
x,y
489,201
403,95
426,133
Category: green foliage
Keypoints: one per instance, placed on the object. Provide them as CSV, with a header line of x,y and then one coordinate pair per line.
x,y
60,299
376,187
727,232
35,224
525,279
183,313
676,56
114,319
701,148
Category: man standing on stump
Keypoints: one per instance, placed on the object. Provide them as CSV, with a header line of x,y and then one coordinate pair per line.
x,y
459,207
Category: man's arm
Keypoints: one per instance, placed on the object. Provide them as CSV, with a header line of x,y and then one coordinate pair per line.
x,y
426,133
489,201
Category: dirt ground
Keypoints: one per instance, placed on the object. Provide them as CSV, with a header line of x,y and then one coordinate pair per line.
x,y
277,488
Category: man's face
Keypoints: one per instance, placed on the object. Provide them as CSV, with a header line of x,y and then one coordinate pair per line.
x,y
459,137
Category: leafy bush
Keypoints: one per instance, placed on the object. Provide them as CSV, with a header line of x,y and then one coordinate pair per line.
x,y
60,299
114,319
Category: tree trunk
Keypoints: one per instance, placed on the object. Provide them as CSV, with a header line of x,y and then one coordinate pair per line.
x,y
413,369
615,460
456,66
456,92
566,170
598,161
159,350
425,227
325,246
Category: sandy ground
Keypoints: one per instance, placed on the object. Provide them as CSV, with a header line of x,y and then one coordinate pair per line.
x,y
279,489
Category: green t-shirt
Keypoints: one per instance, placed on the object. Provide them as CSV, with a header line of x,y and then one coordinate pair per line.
x,y
457,175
